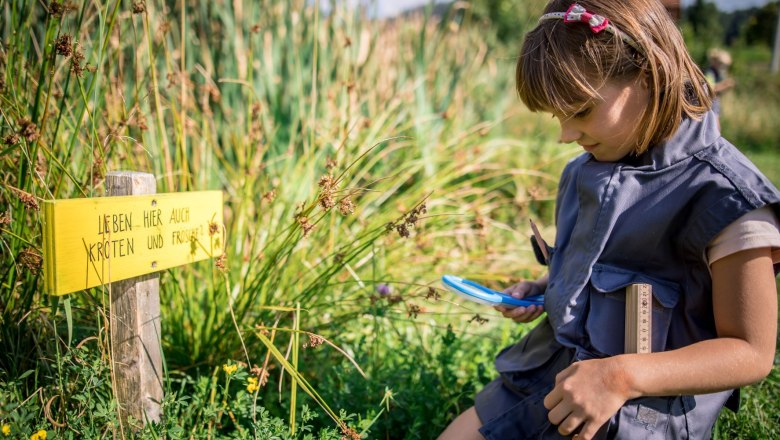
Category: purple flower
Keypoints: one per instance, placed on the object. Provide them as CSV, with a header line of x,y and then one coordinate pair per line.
x,y
383,289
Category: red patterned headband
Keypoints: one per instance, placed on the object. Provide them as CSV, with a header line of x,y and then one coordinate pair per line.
x,y
578,14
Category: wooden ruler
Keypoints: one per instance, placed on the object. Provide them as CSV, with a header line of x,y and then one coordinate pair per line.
x,y
639,318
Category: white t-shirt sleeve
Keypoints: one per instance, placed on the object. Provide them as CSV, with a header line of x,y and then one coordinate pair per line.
x,y
757,229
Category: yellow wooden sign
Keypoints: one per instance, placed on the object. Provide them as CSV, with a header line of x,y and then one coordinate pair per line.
x,y
95,241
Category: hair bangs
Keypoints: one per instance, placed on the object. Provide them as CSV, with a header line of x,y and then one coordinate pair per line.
x,y
547,77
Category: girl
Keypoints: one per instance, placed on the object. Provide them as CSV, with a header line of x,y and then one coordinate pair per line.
x,y
658,197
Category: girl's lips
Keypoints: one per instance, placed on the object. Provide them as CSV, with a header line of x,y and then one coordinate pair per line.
x,y
589,148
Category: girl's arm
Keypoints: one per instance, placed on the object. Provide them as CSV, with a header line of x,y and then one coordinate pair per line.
x,y
744,298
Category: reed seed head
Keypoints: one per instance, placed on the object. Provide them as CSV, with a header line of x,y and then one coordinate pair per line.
x,y
261,374
346,206
328,185
27,129
139,7
394,299
58,9
314,341
403,230
11,139
30,259
330,164
221,263
76,61
327,182
413,310
28,200
305,225
140,121
64,45
349,433
55,9
480,320
262,329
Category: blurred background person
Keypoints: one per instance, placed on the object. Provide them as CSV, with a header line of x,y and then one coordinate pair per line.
x,y
717,74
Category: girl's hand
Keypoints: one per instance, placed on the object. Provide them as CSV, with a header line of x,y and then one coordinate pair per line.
x,y
522,290
586,395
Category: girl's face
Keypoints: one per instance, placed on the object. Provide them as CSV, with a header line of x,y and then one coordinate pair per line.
x,y
607,125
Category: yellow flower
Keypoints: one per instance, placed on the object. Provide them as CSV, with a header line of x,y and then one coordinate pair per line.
x,y
40,435
252,385
6,429
230,369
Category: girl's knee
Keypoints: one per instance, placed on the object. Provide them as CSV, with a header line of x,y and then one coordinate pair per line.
x,y
464,427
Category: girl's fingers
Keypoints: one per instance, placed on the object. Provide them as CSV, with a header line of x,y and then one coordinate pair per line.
x,y
520,314
588,431
519,290
570,424
558,413
529,314
552,399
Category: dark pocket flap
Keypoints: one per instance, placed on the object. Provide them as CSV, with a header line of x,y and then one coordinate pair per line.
x,y
607,279
536,349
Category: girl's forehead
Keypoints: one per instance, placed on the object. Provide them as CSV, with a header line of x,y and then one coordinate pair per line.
x,y
572,98
602,92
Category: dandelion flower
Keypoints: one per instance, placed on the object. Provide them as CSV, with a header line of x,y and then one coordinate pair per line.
x,y
6,429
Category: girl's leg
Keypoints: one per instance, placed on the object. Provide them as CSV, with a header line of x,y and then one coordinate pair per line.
x,y
464,427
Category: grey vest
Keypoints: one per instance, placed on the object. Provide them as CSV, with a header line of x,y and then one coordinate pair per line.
x,y
645,219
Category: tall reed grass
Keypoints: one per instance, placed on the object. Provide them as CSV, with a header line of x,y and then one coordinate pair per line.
x,y
360,160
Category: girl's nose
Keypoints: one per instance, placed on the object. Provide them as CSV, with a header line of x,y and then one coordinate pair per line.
x,y
569,132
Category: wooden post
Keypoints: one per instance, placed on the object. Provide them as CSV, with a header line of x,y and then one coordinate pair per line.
x,y
135,324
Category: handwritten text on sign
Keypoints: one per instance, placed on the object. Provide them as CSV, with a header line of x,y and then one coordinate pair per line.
x,y
90,242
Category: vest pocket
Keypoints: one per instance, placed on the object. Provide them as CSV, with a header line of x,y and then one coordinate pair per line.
x,y
650,418
605,323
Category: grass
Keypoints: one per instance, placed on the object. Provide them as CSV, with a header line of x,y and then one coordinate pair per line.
x,y
359,161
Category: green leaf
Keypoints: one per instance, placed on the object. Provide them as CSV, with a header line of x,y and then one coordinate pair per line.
x,y
68,318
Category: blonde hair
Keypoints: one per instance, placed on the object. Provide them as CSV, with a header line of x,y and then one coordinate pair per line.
x,y
561,65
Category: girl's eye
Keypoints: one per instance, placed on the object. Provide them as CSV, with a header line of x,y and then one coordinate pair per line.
x,y
582,113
